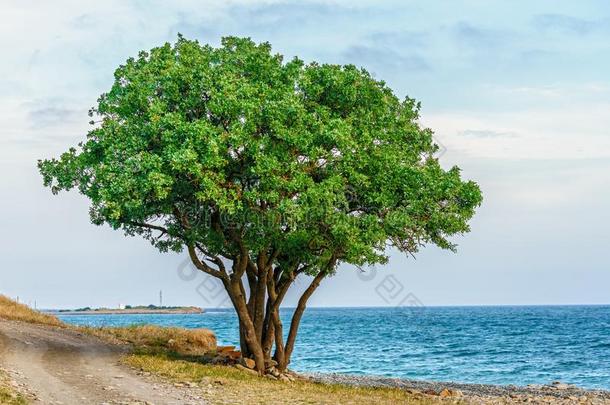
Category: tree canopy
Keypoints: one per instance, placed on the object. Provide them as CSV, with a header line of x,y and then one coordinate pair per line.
x,y
262,169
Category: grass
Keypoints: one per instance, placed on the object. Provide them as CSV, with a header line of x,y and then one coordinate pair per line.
x,y
8,396
189,342
228,385
162,351
12,310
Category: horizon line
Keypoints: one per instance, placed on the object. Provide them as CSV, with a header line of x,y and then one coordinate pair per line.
x,y
388,306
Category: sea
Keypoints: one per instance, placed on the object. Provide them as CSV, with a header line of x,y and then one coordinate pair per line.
x,y
506,345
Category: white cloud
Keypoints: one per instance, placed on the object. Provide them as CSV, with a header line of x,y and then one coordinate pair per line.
x,y
538,122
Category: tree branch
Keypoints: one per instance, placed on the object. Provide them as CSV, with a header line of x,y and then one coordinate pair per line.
x,y
149,226
213,258
202,266
298,313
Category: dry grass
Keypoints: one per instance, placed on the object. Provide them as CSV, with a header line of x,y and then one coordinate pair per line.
x,y
189,342
228,385
155,353
12,310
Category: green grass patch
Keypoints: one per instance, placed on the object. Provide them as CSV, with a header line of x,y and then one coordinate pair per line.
x,y
228,385
8,395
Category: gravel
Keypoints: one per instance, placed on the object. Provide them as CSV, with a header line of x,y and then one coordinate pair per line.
x,y
560,391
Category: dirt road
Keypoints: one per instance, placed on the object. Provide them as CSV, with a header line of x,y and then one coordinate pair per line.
x,y
61,366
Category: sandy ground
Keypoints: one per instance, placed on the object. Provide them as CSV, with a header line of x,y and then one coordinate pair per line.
x,y
60,366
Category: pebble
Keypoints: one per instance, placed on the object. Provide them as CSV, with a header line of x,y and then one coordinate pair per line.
x,y
555,393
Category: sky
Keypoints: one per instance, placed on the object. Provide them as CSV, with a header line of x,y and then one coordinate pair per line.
x,y
518,94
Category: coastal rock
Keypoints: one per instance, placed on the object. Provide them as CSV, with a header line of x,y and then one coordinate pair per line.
x,y
233,355
246,362
270,363
224,349
447,393
245,369
444,393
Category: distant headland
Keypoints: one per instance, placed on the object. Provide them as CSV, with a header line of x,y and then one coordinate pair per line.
x,y
132,310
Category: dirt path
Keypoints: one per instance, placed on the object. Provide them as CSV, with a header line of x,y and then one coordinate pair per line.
x,y
61,366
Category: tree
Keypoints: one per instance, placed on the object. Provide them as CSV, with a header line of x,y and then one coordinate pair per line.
x,y
263,171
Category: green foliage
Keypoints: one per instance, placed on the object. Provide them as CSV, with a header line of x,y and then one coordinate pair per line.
x,y
231,146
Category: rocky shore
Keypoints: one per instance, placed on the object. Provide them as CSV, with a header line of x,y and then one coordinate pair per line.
x,y
451,392
131,311
555,393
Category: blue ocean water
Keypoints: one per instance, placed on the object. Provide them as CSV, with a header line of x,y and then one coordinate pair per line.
x,y
498,345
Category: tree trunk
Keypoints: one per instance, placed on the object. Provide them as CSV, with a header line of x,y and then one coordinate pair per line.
x,y
246,324
259,303
268,332
279,354
296,320
260,325
245,350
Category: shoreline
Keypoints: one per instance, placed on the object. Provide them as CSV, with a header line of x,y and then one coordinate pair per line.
x,y
554,391
23,340
135,311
